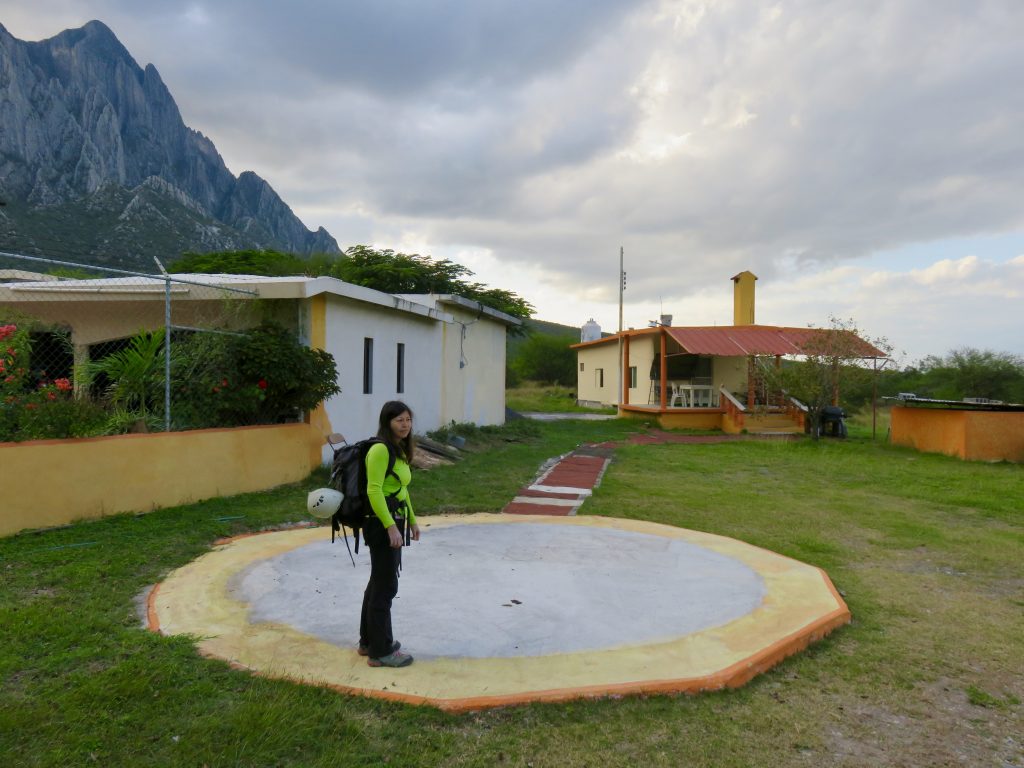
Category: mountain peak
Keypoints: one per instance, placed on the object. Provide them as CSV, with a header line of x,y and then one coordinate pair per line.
x,y
118,124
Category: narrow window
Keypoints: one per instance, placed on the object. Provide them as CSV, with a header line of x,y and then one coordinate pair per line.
x,y
581,366
599,375
632,377
400,385
367,366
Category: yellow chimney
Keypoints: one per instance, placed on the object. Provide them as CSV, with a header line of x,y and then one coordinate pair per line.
x,y
743,298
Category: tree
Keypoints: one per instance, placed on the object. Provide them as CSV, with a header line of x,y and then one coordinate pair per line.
x,y
383,270
833,359
271,263
971,372
546,359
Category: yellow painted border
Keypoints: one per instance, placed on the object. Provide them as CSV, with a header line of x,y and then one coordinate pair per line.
x,y
800,606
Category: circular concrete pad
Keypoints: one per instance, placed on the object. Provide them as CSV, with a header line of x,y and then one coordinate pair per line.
x,y
502,609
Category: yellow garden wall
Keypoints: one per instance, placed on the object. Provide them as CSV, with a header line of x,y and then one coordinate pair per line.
x,y
54,482
973,435
692,419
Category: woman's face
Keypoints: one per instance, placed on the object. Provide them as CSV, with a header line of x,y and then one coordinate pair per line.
x,y
401,425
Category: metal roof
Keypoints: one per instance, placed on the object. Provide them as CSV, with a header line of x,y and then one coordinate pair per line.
x,y
742,340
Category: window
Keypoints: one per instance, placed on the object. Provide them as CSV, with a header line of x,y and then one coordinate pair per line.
x,y
581,366
632,377
400,367
599,376
367,366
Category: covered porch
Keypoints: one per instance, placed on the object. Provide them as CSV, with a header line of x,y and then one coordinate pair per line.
x,y
709,378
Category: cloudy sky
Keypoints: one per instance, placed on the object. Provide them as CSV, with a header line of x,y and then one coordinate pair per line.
x,y
864,159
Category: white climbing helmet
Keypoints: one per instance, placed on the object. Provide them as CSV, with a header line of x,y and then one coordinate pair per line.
x,y
324,502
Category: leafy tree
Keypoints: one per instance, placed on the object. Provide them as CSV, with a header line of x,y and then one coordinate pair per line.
x,y
833,360
545,358
961,373
383,270
271,263
971,372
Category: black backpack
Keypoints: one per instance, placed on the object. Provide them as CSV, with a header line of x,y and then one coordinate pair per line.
x,y
348,475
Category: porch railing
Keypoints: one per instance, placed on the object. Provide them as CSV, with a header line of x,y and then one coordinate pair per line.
x,y
734,409
796,410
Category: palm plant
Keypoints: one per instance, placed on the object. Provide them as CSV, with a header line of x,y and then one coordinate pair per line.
x,y
135,375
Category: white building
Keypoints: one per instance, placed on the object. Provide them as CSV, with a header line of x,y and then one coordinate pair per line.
x,y
443,355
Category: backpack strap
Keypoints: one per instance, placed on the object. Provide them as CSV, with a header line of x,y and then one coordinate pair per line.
x,y
392,458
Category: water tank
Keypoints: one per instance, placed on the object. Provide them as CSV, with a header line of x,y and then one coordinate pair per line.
x,y
666,320
590,331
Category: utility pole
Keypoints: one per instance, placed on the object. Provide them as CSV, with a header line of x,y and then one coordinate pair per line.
x,y
622,287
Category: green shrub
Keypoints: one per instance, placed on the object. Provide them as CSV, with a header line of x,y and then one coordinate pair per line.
x,y
264,376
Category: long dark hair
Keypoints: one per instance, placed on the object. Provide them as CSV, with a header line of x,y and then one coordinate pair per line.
x,y
390,410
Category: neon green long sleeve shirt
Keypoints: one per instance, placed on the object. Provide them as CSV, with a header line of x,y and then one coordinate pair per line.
x,y
380,484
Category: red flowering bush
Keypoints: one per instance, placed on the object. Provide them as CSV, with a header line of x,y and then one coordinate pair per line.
x,y
264,376
50,410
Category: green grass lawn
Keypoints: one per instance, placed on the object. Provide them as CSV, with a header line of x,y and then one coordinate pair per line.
x,y
925,549
533,397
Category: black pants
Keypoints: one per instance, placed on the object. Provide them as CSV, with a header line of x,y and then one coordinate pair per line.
x,y
375,620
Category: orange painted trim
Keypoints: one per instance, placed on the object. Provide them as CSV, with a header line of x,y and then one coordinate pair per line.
x,y
625,371
663,372
615,337
152,619
732,677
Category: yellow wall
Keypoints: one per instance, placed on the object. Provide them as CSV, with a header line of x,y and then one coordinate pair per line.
x,y
730,372
641,355
603,356
708,419
973,435
54,482
317,418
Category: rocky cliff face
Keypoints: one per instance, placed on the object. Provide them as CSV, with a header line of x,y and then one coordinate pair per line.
x,y
86,132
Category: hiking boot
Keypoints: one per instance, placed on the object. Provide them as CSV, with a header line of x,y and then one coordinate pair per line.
x,y
364,650
395,659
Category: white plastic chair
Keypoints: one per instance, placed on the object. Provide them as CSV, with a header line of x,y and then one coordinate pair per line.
x,y
678,393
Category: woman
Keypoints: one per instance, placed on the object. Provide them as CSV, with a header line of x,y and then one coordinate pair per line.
x,y
384,532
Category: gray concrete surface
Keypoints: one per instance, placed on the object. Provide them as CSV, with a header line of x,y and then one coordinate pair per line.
x,y
510,590
540,416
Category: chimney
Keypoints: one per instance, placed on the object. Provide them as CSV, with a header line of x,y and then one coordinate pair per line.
x,y
743,298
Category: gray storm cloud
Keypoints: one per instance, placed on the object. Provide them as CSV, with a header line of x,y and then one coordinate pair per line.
x,y
707,136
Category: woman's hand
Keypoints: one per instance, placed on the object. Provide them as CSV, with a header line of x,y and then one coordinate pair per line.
x,y
394,537
415,532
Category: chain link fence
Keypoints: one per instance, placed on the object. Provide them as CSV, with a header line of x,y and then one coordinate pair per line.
x,y
88,350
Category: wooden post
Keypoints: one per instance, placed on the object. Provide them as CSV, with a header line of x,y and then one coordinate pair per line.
x,y
778,379
750,383
664,369
625,371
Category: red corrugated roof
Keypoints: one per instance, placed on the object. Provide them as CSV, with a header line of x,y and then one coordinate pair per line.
x,y
736,340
